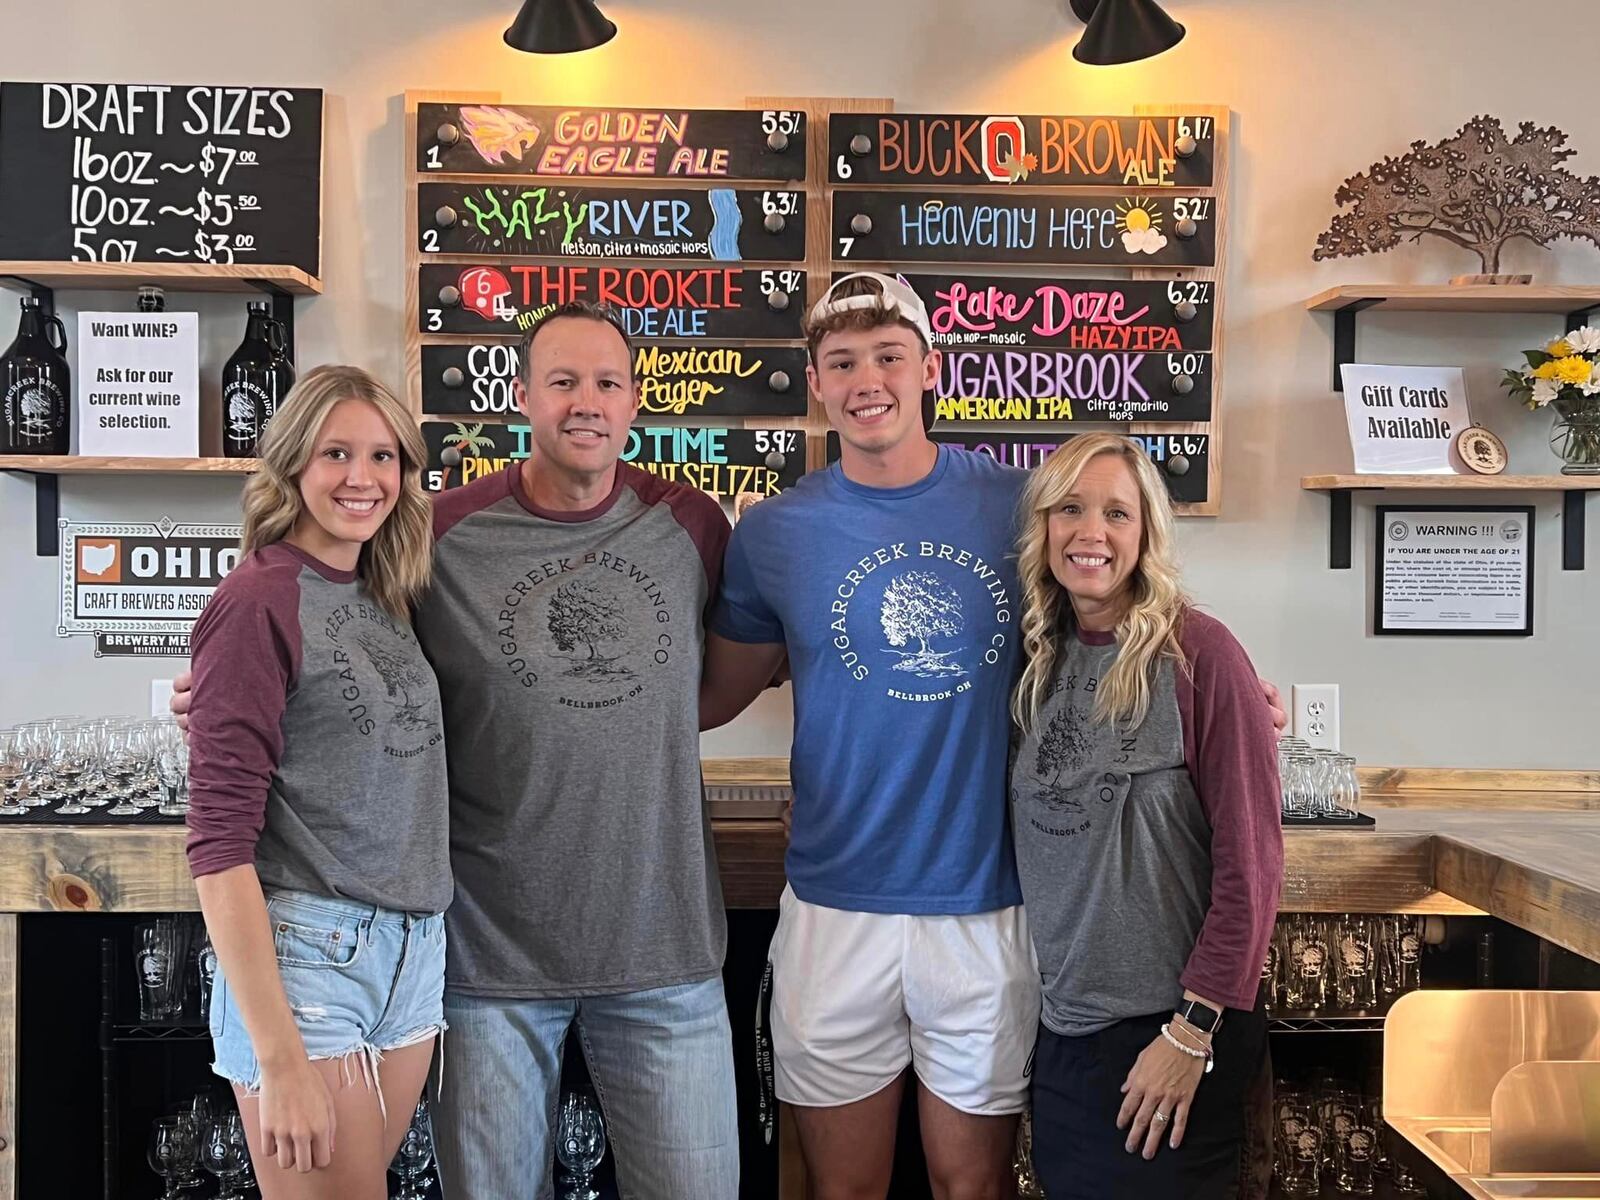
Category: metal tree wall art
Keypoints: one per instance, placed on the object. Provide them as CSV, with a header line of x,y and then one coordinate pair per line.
x,y
1477,189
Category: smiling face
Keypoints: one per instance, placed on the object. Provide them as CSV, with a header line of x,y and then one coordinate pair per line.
x,y
578,394
350,485
871,381
1095,536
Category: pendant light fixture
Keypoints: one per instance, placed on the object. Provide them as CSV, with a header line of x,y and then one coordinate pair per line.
x,y
559,27
1123,31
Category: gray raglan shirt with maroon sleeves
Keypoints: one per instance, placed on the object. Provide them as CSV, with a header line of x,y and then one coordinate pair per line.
x,y
316,742
1151,859
568,648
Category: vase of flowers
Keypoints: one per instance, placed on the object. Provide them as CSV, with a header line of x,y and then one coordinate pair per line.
x,y
1564,377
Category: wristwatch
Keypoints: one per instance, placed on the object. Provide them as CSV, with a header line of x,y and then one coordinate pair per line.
x,y
1202,1016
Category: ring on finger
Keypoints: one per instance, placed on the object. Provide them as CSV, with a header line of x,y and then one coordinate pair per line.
x,y
1159,1117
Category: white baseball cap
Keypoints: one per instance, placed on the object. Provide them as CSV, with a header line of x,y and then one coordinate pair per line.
x,y
898,298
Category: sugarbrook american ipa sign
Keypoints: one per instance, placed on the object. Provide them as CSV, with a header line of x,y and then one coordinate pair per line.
x,y
1184,459
973,150
1021,386
161,173
146,583
678,381
655,302
613,143
1081,229
722,224
734,465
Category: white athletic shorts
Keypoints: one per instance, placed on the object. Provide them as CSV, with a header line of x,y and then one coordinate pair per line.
x,y
858,996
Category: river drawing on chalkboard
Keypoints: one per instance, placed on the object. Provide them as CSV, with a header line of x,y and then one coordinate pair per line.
x,y
583,617
918,608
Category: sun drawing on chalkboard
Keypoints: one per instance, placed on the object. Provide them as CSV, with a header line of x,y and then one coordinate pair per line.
x,y
1141,227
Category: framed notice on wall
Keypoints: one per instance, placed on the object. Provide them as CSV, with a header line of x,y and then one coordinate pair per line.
x,y
1454,569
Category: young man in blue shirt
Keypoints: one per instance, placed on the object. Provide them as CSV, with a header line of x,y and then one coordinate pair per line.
x,y
889,579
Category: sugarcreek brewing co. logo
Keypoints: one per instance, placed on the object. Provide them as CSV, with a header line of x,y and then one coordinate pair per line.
x,y
382,678
591,626
1068,743
920,619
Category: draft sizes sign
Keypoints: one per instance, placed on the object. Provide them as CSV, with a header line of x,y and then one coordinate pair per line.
x,y
1404,420
161,173
139,384
1454,569
138,587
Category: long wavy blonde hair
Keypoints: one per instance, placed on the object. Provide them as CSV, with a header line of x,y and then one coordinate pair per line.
x,y
1146,631
397,562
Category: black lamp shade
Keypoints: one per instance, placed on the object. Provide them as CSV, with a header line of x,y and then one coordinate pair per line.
x,y
1124,31
559,27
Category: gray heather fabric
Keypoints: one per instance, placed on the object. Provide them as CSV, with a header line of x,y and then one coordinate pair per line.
x,y
1113,848
316,719
569,653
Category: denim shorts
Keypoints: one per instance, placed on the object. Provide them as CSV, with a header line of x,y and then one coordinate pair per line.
x,y
360,981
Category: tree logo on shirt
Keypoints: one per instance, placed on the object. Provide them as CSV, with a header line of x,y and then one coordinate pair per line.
x,y
919,607
404,682
1064,746
585,618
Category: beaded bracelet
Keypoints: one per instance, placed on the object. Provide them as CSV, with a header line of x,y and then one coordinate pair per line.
x,y
1166,1032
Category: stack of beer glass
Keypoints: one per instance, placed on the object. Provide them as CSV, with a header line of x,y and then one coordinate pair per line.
x,y
1328,964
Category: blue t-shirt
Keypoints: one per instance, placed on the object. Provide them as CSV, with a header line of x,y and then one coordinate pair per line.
x,y
900,609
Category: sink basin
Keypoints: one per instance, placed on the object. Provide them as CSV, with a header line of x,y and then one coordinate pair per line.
x,y
1549,1187
1466,1147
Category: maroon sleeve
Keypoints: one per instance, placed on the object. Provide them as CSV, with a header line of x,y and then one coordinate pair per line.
x,y
245,655
1230,748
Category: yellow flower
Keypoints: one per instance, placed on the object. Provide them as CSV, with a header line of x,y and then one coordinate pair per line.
x,y
1573,369
1560,348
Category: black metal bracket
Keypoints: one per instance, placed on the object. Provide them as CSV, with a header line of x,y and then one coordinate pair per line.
x,y
282,312
1572,514
1579,317
1344,339
1339,523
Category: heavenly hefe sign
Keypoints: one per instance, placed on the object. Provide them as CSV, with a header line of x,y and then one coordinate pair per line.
x,y
161,173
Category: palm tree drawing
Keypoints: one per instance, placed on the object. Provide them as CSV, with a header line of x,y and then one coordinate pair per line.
x,y
467,441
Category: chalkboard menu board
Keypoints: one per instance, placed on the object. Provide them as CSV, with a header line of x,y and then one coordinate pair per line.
x,y
1184,458
679,381
655,302
1075,314
727,463
616,143
161,173
970,150
1088,229
561,221
1021,386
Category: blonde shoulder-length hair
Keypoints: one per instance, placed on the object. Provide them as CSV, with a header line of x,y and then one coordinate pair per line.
x,y
1147,630
397,562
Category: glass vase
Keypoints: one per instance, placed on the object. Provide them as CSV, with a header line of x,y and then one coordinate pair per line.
x,y
1575,438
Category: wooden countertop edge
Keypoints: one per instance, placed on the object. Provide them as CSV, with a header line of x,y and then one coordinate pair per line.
x,y
1560,909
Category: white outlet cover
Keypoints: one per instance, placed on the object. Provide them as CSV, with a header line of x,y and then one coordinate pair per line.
x,y
1314,714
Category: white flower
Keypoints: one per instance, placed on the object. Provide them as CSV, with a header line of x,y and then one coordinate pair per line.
x,y
1148,241
1544,391
1593,386
1585,340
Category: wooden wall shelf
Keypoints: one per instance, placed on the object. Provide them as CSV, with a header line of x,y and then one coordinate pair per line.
x,y
1574,491
1345,301
177,277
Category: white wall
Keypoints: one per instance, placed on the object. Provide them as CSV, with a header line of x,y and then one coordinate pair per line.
x,y
1320,91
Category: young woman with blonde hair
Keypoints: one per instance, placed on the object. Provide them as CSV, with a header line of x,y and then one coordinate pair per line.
x,y
1145,812
318,827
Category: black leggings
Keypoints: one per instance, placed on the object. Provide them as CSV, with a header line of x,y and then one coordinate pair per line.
x,y
1077,1148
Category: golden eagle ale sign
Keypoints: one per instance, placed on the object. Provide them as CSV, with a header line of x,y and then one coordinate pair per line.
x,y
737,466
139,587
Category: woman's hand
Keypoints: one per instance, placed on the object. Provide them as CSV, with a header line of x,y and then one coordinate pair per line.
x,y
297,1116
1163,1080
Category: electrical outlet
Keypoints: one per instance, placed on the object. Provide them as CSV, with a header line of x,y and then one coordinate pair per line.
x,y
1316,714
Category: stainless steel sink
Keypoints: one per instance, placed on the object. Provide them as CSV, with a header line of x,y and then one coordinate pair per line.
x,y
1550,1188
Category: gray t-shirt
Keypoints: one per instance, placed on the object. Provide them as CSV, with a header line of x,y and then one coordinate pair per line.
x,y
316,741
568,648
1151,859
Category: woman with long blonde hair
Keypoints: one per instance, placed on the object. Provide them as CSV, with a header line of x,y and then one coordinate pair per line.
x,y
1145,812
318,821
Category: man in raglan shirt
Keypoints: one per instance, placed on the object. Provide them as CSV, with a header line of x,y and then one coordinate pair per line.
x,y
565,624
890,579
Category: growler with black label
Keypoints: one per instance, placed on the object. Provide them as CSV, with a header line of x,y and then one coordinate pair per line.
x,y
254,383
36,387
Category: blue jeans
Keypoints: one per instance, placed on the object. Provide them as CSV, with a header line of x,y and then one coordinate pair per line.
x,y
662,1065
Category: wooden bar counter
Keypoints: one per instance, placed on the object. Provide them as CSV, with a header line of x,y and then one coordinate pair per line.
x,y
1523,846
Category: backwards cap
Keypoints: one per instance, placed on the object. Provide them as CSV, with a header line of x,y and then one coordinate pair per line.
x,y
898,299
